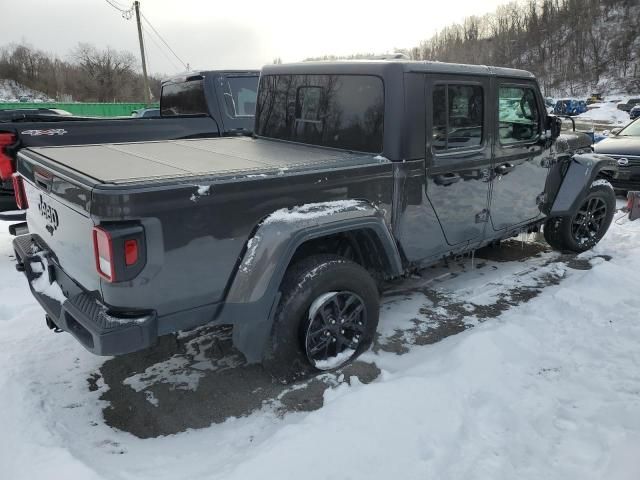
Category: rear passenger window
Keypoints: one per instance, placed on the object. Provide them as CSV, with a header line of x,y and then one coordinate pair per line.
x,y
338,111
186,98
458,116
518,115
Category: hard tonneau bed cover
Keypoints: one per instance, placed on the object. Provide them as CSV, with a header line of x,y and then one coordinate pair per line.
x,y
125,163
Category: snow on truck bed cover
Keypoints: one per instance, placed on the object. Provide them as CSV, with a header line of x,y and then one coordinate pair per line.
x,y
232,156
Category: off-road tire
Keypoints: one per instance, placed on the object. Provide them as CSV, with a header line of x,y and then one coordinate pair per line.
x,y
558,230
286,356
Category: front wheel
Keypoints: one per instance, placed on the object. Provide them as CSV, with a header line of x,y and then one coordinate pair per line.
x,y
327,316
586,227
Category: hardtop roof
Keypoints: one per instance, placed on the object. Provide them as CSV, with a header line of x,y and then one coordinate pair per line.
x,y
380,67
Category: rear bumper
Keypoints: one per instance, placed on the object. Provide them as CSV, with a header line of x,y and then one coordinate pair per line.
x,y
100,329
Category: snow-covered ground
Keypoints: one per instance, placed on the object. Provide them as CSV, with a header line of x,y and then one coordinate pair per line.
x,y
605,112
541,382
11,91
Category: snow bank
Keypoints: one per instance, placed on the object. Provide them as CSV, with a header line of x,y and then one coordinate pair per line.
x,y
606,112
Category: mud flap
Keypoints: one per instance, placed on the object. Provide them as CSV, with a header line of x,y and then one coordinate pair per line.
x,y
251,333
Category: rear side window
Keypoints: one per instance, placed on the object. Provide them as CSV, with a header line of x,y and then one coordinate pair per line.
x,y
458,116
339,111
186,98
239,95
518,114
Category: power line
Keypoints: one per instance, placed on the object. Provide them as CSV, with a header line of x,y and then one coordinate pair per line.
x,y
127,13
148,36
163,40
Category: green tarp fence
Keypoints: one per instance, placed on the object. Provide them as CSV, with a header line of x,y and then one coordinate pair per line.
x,y
84,109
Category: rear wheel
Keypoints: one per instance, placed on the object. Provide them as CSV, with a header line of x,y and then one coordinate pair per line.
x,y
327,316
586,227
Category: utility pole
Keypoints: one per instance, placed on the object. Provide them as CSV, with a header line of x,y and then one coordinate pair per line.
x,y
147,98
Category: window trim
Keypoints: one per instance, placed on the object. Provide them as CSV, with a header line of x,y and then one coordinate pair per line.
x,y
508,84
457,150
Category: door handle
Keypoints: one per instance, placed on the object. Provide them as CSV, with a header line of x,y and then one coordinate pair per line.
x,y
447,179
504,168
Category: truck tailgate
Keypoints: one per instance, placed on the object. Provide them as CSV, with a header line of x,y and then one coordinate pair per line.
x,y
65,228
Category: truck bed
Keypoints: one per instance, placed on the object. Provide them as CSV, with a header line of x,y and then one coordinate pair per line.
x,y
125,163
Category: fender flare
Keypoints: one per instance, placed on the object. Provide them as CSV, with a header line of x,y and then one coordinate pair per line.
x,y
581,173
253,294
274,242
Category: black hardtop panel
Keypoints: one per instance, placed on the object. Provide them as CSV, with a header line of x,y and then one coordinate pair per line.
x,y
183,77
123,163
382,67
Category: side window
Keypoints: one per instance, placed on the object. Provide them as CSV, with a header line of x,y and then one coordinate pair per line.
x,y
338,111
518,115
239,95
458,116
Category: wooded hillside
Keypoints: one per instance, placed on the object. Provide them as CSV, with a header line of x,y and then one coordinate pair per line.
x,y
89,74
573,46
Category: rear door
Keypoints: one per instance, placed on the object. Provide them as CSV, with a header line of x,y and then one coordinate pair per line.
x,y
520,169
459,154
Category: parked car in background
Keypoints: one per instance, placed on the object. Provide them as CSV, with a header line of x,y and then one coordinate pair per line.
x,y
595,98
16,114
628,105
146,113
197,104
624,147
634,112
359,172
570,106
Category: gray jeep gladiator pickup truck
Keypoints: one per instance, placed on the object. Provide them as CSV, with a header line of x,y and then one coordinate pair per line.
x,y
357,172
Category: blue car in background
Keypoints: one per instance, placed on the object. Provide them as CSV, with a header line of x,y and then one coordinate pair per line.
x,y
570,106
634,112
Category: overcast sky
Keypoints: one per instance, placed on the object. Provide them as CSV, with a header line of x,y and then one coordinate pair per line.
x,y
235,34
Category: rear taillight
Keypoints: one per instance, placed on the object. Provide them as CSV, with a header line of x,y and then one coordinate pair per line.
x,y
103,251
130,252
6,162
19,192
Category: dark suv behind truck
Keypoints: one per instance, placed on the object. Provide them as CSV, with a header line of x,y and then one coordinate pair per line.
x,y
358,172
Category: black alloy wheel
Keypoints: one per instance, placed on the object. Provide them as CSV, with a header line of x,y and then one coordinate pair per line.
x,y
337,322
589,220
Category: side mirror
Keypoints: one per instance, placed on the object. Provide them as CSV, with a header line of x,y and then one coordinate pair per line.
x,y
553,126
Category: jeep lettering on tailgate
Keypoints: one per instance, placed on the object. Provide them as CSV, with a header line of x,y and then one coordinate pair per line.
x,y
50,214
